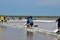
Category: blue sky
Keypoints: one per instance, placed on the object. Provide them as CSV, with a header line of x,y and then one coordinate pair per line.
x,y
30,7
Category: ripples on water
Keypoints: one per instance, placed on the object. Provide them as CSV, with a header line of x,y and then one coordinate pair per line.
x,y
9,33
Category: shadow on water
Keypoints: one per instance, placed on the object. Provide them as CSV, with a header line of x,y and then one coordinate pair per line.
x,y
29,35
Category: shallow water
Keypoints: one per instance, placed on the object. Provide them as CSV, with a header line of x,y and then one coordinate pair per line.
x,y
9,33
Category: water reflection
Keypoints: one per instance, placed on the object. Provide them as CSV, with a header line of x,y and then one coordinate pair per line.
x,y
59,39
29,35
2,28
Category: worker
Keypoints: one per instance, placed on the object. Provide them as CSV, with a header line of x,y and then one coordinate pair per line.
x,y
58,20
29,21
2,19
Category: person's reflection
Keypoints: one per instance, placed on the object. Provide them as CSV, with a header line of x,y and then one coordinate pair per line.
x,y
58,38
2,28
29,35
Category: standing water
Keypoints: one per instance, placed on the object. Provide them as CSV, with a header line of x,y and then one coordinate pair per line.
x,y
10,33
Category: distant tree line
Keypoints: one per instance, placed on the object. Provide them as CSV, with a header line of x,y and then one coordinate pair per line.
x,y
20,17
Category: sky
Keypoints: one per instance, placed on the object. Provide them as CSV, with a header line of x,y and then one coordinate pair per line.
x,y
30,7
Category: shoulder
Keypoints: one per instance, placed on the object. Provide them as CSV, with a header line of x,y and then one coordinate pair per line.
x,y
58,19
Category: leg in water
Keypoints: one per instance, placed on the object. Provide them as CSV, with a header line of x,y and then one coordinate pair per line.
x,y
28,25
2,21
31,24
58,32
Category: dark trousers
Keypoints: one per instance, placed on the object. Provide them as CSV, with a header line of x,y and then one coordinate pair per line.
x,y
58,26
31,24
28,24
2,21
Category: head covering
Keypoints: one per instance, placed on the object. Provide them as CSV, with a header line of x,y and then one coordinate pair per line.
x,y
28,17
